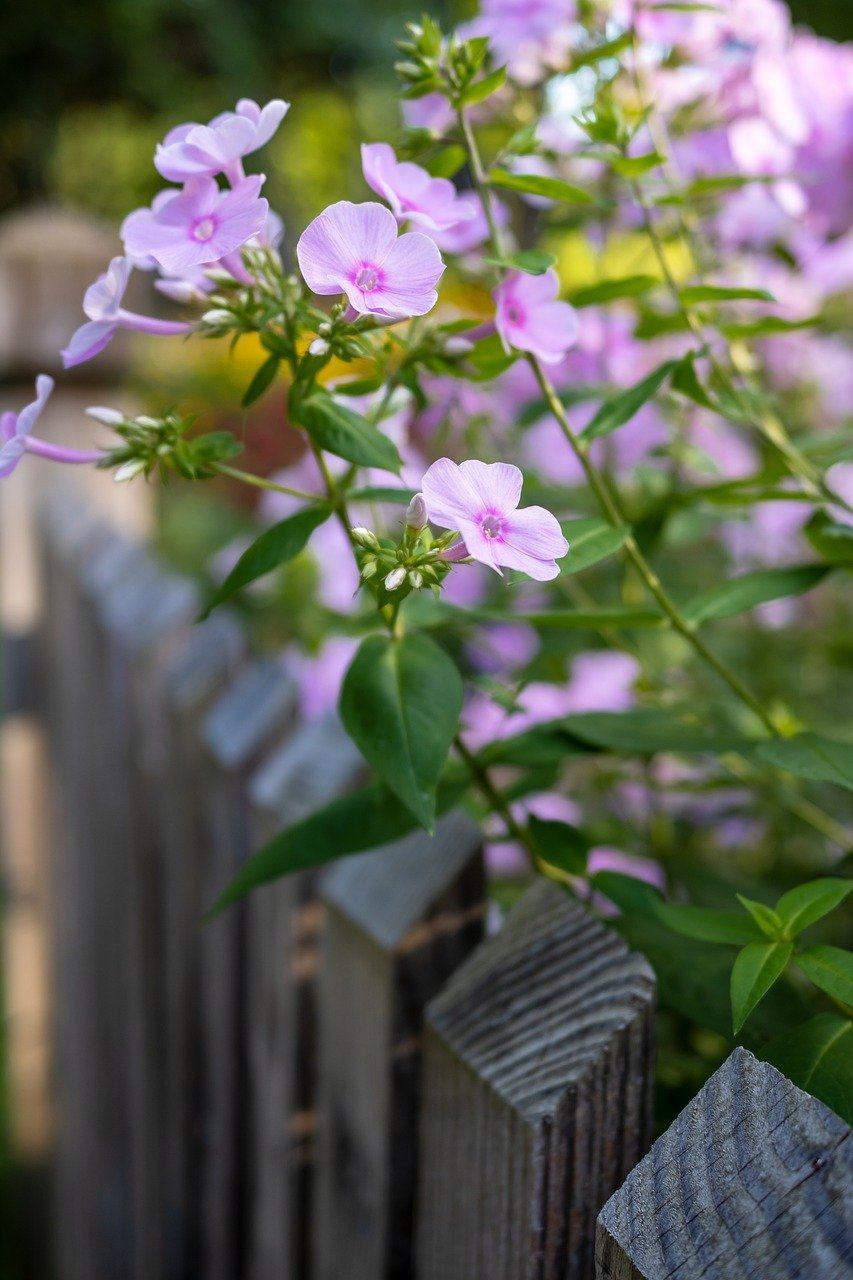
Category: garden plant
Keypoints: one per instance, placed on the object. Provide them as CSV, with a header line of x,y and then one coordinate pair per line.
x,y
570,530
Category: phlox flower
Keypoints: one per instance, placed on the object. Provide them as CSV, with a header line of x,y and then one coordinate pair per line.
x,y
197,225
480,500
102,304
354,249
15,438
529,317
199,150
527,35
431,204
431,112
471,230
193,284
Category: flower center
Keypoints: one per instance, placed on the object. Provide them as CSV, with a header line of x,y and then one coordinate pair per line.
x,y
492,525
203,229
514,314
367,279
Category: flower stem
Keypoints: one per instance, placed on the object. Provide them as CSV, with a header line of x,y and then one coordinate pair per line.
x,y
259,482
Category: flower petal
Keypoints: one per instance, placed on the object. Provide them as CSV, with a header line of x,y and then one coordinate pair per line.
x,y
344,235
87,341
450,499
496,484
413,268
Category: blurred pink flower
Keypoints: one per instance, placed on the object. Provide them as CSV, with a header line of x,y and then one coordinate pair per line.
x,y
102,304
529,318
15,438
472,229
430,204
198,150
432,112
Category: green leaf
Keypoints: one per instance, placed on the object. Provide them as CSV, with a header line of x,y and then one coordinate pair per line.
x,y
276,545
704,188
382,493
446,162
482,89
635,166
610,49
348,435
831,969
490,358
765,917
631,895
810,756
618,410
832,540
647,730
818,1056
559,844
581,619
721,293
803,906
535,262
534,184
262,379
767,326
590,541
709,925
609,290
747,590
400,703
365,819
755,970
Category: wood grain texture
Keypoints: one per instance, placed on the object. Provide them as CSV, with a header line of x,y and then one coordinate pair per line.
x,y
537,1095
753,1181
400,920
250,717
283,939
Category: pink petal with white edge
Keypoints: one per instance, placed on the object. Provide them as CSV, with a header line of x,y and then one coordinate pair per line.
x,y
340,239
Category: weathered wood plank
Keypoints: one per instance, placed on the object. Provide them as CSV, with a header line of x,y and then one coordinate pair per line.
x,y
537,1093
283,939
245,722
753,1180
400,920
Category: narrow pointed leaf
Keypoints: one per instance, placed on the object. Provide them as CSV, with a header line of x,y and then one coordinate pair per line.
x,y
535,262
609,290
559,844
534,184
261,381
765,917
810,756
722,293
747,590
803,906
590,541
709,925
831,969
276,545
482,89
618,410
755,970
346,434
818,1056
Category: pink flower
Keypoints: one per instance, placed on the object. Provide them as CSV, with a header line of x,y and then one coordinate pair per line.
x,y
102,304
528,316
527,35
15,431
431,112
197,225
198,150
472,230
413,194
480,500
601,680
354,249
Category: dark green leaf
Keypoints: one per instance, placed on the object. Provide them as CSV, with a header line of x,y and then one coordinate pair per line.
x,y
694,293
831,969
348,435
765,917
744,592
609,290
400,704
559,844
635,166
365,819
535,262
382,493
582,619
818,1056
618,410
800,907
482,89
631,895
830,539
755,970
810,756
590,541
276,545
490,358
767,326
709,925
647,730
447,162
537,185
261,381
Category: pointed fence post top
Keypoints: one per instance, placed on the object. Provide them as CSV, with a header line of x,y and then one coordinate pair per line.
x,y
388,891
537,1004
753,1179
248,713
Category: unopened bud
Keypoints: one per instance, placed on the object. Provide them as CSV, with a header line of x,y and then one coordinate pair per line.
x,y
416,512
365,538
220,276
319,347
217,316
109,417
368,569
129,470
145,421
395,578
458,346
180,291
416,578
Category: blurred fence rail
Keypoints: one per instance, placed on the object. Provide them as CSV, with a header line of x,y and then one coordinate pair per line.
x,y
340,1077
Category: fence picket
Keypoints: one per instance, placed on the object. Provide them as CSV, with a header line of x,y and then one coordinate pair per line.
x,y
752,1179
537,1071
400,920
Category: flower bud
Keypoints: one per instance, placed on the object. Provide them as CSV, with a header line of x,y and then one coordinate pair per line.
x,y
458,346
109,417
145,421
416,512
220,276
365,538
416,579
217,316
129,470
368,569
395,578
319,347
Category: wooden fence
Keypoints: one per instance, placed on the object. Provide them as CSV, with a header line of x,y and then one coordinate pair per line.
x,y
341,1076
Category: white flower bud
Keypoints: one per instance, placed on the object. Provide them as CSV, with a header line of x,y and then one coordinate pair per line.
x,y
180,291
109,417
365,538
416,512
144,421
217,316
458,346
319,347
218,275
129,470
368,569
395,578
416,578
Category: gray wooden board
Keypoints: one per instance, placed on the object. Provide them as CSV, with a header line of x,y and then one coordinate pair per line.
x,y
752,1181
249,717
283,936
400,921
537,1095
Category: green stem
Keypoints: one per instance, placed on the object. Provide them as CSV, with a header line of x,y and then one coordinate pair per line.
x,y
258,482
